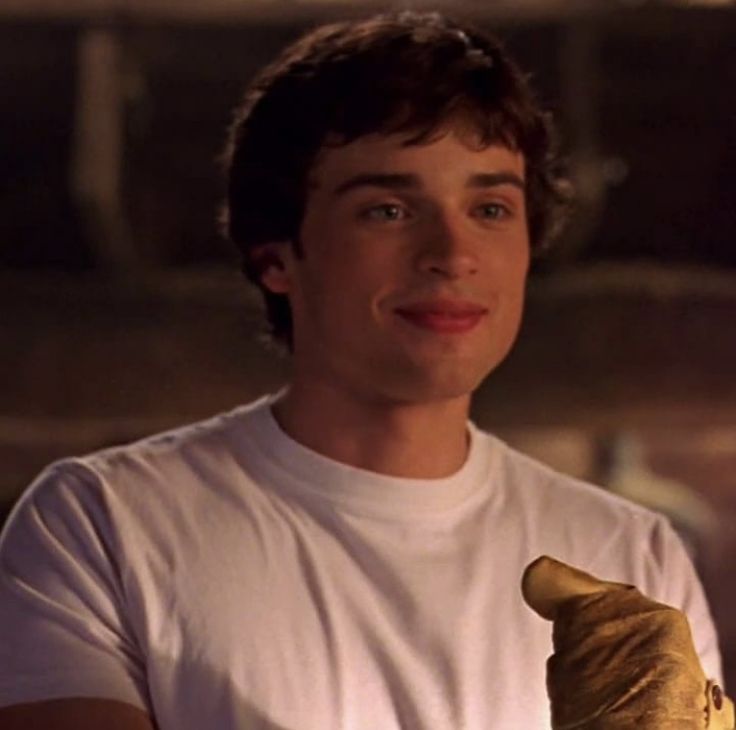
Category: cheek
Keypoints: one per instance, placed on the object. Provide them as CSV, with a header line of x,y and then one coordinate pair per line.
x,y
339,291
517,266
354,271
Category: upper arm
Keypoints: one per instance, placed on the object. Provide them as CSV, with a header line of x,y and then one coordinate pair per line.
x,y
66,628
75,714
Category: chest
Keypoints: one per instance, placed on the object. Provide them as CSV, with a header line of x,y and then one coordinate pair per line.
x,y
309,625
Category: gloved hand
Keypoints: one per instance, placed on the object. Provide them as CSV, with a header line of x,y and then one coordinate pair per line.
x,y
621,661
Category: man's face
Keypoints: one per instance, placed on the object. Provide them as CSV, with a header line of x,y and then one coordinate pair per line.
x,y
415,259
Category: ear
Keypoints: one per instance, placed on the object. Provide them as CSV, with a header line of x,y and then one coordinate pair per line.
x,y
272,261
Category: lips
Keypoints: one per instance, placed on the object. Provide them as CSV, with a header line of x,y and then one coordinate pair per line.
x,y
443,316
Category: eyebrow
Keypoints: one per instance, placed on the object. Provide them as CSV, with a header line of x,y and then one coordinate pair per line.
x,y
401,181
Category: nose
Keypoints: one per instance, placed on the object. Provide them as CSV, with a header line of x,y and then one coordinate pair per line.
x,y
447,251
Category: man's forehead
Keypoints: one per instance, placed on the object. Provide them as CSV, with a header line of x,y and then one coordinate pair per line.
x,y
395,156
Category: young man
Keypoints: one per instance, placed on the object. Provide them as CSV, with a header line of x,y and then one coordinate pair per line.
x,y
347,553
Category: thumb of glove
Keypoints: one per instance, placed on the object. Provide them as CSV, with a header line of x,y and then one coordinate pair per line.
x,y
547,584
621,660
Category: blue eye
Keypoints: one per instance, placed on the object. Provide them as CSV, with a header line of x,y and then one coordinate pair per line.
x,y
385,212
493,211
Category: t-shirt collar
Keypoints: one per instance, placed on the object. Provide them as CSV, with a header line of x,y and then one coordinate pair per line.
x,y
294,466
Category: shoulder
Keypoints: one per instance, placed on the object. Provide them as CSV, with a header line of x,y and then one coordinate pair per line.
x,y
535,485
166,473
176,452
583,524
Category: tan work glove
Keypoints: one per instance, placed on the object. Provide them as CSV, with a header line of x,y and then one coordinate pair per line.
x,y
621,660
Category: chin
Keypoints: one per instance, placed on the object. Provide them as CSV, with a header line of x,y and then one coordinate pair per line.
x,y
412,377
430,387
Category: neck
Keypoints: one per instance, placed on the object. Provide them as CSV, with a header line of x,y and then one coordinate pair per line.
x,y
413,440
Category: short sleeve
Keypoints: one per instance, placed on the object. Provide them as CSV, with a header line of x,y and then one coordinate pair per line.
x,y
63,625
681,588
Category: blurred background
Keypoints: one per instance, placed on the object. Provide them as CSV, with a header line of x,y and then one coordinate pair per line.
x,y
122,311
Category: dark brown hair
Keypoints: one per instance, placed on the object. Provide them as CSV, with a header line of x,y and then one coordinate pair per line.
x,y
401,72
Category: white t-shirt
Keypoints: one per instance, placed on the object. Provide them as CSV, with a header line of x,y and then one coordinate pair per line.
x,y
224,576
